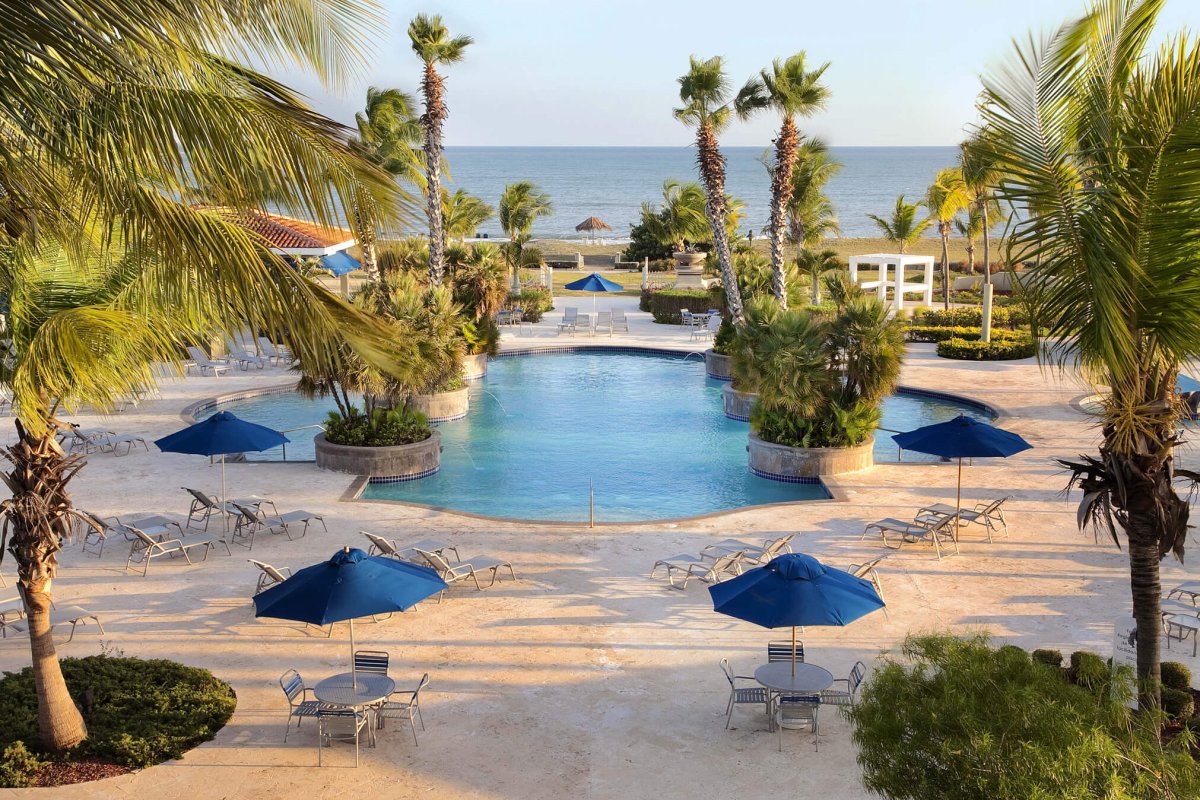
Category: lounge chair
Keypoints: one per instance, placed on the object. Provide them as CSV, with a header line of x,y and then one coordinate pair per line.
x,y
245,360
144,548
12,616
269,576
205,364
299,704
12,619
92,440
739,696
276,352
100,528
986,514
204,505
603,321
582,322
568,320
707,570
760,553
867,571
404,706
849,695
251,520
618,320
928,528
388,547
466,569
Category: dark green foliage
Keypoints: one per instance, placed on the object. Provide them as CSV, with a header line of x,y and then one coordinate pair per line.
x,y
1176,676
1010,317
18,766
955,719
644,243
724,336
144,712
836,426
533,302
665,304
1009,651
386,427
481,337
933,333
998,350
1051,658
1178,704
1088,669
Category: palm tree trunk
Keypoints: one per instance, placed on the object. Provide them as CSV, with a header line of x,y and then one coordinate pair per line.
x,y
1147,608
971,256
712,174
432,88
38,520
781,195
944,230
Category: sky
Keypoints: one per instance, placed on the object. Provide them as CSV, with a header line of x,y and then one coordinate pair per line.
x,y
603,72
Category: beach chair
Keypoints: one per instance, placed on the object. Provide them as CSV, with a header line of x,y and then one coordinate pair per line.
x,y
740,696
989,515
143,549
12,616
388,547
404,706
205,506
931,529
582,322
568,320
709,571
205,364
251,520
276,352
269,576
468,569
245,359
618,320
299,704
12,619
849,695
760,553
868,572
86,440
603,321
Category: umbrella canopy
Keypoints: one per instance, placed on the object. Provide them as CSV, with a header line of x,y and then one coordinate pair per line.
x,y
339,263
594,283
795,589
593,224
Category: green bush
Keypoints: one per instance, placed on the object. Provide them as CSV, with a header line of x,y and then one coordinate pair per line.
x,y
1012,651
1011,317
724,336
1051,658
481,337
934,333
1088,669
665,304
18,766
643,243
143,712
1176,676
385,427
955,719
1178,704
997,350
533,303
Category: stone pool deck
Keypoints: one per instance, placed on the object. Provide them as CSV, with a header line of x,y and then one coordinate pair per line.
x,y
584,678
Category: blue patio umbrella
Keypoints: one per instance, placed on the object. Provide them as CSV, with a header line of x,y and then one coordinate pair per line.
x,y
795,590
350,584
221,434
962,437
339,263
594,283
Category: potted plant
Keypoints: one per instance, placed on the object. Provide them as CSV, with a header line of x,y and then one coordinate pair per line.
x,y
382,442
479,286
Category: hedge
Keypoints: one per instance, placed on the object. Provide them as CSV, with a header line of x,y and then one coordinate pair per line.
x,y
1012,317
996,350
933,333
533,302
665,304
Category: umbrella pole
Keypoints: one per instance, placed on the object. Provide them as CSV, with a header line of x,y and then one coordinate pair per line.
x,y
224,503
958,502
793,651
353,674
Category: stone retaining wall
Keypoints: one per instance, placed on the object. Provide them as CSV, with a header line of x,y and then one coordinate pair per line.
x,y
738,404
442,406
717,365
475,367
779,462
402,462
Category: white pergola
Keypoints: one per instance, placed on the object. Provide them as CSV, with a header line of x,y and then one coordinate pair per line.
x,y
897,264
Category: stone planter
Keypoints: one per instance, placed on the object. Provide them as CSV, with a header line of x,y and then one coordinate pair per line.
x,y
781,463
738,404
442,406
402,462
717,365
689,270
475,367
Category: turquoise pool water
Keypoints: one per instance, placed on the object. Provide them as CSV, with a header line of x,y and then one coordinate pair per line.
x,y
647,431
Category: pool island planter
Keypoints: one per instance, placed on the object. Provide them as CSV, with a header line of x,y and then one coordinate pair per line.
x,y
782,463
718,365
475,367
738,405
404,462
443,406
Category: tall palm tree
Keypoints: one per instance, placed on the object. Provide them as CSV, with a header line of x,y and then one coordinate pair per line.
x,y
946,198
433,45
816,263
902,227
704,92
792,90
463,213
681,218
108,140
810,214
981,173
521,204
1097,134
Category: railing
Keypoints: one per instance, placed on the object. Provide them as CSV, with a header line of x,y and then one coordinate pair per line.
x,y
300,428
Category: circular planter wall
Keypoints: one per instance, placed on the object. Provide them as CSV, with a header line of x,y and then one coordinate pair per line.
x,y
474,367
782,463
442,406
738,404
402,462
717,365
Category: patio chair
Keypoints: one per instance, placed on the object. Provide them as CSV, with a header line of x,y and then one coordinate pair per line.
x,y
299,704
273,351
849,695
250,521
986,514
12,620
867,571
343,724
759,553
205,364
685,318
467,569
84,440
404,706
204,505
144,548
94,531
568,320
269,576
739,696
618,320
583,322
707,570
374,662
923,528
791,711
245,359
705,327
388,547
603,320
782,652
12,616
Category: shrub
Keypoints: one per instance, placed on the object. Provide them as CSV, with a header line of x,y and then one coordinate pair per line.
x,y
1051,658
936,333
998,350
384,427
643,243
1088,669
18,766
1010,651
1011,317
1176,676
958,720
1178,704
533,302
665,304
724,336
481,337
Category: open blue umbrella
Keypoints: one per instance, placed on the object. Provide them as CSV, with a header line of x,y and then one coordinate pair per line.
x,y
339,263
962,437
221,434
594,283
795,590
350,584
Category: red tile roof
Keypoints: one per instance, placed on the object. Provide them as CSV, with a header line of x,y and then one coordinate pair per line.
x,y
285,233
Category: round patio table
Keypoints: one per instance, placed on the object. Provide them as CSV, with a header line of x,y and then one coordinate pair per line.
x,y
354,691
809,678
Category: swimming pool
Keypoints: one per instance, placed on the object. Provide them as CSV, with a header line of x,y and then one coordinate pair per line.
x,y
647,431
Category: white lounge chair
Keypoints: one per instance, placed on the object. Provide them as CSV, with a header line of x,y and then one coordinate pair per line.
x,y
868,572
603,321
568,320
618,320
144,548
707,570
468,569
205,364
269,576
388,547
251,520
276,352
583,322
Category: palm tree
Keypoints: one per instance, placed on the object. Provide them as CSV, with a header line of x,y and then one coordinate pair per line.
x,y
463,213
790,89
520,205
969,229
902,227
433,45
681,218
945,199
1097,136
110,138
810,214
816,263
981,174
704,92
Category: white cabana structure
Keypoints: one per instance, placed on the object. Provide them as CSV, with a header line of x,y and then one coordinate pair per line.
x,y
892,272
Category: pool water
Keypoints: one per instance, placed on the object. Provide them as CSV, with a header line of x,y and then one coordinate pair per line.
x,y
646,431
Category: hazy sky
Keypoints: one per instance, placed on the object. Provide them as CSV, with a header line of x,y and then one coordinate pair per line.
x,y
602,72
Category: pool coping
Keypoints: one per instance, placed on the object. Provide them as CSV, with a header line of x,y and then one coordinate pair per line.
x,y
353,492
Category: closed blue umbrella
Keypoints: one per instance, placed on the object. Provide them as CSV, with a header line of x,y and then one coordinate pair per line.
x,y
350,584
795,590
594,283
962,437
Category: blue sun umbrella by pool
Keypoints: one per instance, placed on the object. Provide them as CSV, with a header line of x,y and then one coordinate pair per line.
x,y
962,437
221,434
349,585
594,283
339,263
795,590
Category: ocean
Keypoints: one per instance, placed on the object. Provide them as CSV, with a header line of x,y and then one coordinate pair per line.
x,y
613,182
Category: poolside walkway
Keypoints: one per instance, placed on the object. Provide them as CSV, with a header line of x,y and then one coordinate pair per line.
x,y
584,679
